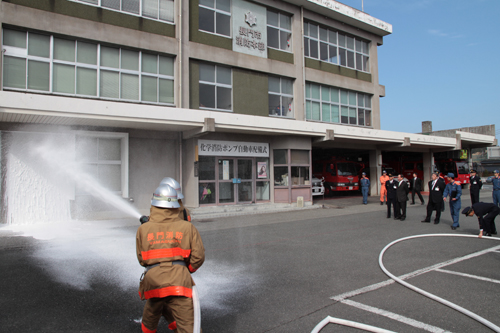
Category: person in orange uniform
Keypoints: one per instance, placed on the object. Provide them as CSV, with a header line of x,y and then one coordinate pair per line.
x,y
170,249
383,190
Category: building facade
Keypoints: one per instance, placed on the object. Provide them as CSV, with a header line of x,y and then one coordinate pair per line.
x,y
230,97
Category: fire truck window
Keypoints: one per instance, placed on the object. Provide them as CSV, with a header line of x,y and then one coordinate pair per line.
x,y
331,169
463,168
346,169
420,166
408,166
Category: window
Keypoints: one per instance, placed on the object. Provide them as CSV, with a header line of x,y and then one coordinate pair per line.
x,y
279,31
280,97
44,63
162,10
215,87
262,179
206,175
334,105
215,16
104,157
298,167
336,47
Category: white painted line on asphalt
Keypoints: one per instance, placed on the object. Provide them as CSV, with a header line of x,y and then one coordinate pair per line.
x,y
382,284
468,275
395,316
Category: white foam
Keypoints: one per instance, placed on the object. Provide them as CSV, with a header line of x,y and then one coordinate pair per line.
x,y
41,175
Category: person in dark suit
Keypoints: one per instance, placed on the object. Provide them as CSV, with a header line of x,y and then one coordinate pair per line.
x,y
391,187
436,190
486,223
402,191
475,186
416,187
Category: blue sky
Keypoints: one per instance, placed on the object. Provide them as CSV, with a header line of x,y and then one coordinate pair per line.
x,y
441,63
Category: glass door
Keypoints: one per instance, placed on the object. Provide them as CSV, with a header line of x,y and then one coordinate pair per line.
x,y
226,175
245,174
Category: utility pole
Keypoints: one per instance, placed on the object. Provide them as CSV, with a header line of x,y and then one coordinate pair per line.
x,y
362,6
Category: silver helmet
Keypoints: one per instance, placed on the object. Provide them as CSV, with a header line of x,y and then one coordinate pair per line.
x,y
173,183
165,196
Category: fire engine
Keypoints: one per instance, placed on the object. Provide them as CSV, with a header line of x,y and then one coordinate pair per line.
x,y
339,174
459,168
442,164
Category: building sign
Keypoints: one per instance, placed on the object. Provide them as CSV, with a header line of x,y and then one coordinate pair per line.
x,y
249,28
232,148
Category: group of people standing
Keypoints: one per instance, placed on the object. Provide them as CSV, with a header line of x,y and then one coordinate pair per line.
x,y
395,192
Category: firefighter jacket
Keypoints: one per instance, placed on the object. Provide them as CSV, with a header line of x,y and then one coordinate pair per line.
x,y
454,190
163,240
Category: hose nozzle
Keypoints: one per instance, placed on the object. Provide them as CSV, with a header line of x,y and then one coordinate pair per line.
x,y
144,219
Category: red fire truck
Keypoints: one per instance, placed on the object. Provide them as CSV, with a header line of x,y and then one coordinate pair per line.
x,y
459,168
339,174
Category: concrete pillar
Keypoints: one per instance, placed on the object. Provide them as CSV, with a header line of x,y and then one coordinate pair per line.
x,y
428,159
375,171
426,127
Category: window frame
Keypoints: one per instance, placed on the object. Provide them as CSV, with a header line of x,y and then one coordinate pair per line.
x,y
363,104
281,95
124,154
280,29
20,53
99,4
289,165
363,52
216,85
215,12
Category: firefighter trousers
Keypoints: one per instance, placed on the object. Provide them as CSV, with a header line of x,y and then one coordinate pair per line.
x,y
383,193
179,307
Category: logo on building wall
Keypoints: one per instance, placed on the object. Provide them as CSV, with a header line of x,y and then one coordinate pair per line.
x,y
251,19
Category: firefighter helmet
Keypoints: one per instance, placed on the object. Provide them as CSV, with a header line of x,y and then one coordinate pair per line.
x,y
174,184
165,196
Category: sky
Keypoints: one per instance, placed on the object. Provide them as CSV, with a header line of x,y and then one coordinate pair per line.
x,y
441,63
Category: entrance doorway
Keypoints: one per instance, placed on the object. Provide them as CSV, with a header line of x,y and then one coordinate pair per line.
x,y
233,180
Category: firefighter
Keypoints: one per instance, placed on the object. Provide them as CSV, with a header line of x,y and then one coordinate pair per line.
x,y
383,191
475,186
496,188
170,249
454,190
184,212
365,187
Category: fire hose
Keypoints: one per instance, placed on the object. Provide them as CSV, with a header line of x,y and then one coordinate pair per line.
x,y
474,316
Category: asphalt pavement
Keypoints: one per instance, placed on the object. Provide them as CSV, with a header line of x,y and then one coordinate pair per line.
x,y
279,272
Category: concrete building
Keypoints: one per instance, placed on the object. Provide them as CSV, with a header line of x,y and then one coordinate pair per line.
x,y
230,97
